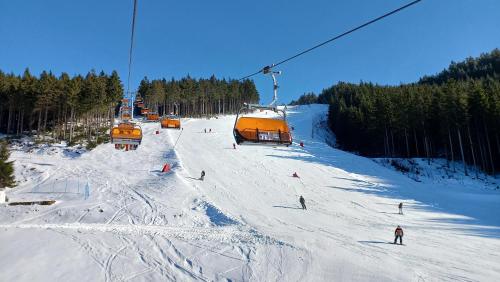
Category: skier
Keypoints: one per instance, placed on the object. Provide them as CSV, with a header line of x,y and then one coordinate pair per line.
x,y
202,175
234,146
302,202
295,175
209,130
400,208
205,130
399,234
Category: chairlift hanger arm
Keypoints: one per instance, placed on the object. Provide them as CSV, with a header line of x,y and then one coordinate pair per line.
x,y
275,84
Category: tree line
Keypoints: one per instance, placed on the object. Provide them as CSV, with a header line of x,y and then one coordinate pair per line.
x,y
305,99
82,108
454,115
6,167
69,108
191,97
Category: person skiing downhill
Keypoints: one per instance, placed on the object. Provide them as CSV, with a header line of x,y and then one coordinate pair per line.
x,y
295,175
398,233
302,202
202,175
234,146
400,208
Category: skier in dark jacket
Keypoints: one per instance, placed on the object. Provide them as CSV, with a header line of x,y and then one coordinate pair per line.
x,y
302,202
202,175
400,208
398,233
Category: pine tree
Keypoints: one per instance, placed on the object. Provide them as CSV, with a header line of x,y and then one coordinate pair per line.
x,y
6,167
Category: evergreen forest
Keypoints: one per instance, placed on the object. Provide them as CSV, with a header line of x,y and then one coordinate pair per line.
x,y
81,109
189,97
454,114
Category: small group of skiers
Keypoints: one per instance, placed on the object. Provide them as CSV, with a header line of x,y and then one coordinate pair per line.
x,y
209,130
302,201
398,233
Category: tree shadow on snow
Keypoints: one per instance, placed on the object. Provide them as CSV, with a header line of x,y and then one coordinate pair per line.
x,y
475,230
476,205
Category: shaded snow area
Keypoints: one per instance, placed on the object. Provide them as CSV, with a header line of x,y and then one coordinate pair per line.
x,y
117,217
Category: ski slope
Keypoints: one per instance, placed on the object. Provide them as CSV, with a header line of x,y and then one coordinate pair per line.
x,y
243,222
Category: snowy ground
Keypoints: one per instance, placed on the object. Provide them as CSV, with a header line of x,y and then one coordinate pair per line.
x,y
243,222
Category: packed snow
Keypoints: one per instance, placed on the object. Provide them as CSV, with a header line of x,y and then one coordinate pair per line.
x,y
117,217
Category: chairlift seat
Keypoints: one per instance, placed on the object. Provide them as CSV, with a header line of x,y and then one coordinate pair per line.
x,y
126,134
263,131
171,122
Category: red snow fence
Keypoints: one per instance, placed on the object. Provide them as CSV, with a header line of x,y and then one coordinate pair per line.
x,y
166,168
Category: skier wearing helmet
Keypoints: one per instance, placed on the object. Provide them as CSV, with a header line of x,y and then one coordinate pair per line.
x,y
398,233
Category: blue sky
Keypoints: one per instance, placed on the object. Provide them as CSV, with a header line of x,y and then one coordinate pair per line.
x,y
235,38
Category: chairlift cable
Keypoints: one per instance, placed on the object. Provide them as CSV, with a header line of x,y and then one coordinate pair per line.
x,y
131,47
334,38
182,130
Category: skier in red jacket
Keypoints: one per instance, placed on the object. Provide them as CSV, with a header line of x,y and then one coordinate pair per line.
x,y
398,233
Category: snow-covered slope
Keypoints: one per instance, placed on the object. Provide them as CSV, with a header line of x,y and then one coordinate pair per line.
x,y
243,222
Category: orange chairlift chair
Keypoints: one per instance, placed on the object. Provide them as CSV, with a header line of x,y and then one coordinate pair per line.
x,y
139,102
171,121
260,130
126,135
152,117
125,113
